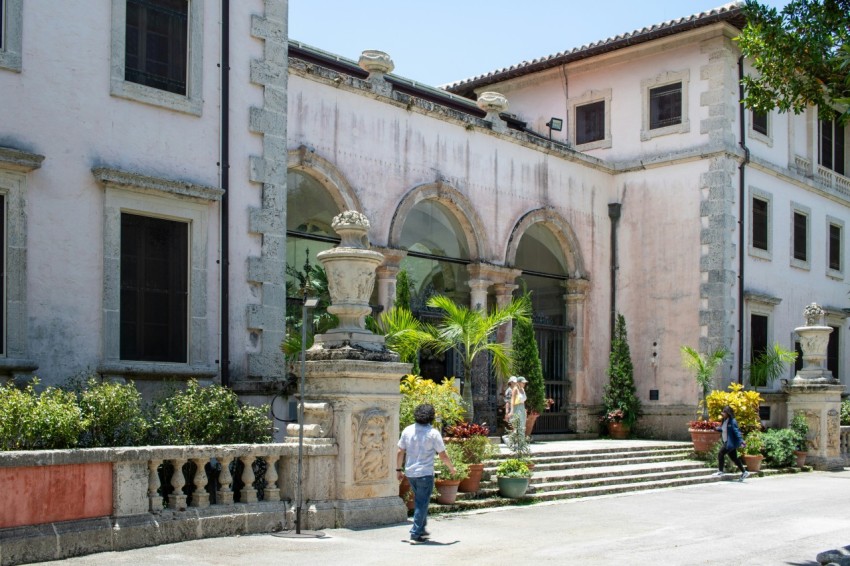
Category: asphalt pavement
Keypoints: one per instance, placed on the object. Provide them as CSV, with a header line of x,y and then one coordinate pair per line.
x,y
780,520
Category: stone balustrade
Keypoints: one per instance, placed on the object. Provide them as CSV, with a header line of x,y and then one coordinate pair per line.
x,y
844,443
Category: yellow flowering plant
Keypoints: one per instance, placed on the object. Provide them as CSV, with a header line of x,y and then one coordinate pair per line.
x,y
744,403
445,398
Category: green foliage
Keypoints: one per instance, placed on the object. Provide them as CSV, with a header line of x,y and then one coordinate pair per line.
x,y
526,362
620,393
754,443
444,397
704,367
800,428
38,421
845,412
208,415
113,414
474,449
404,333
403,287
315,280
455,453
779,446
513,468
517,442
744,403
800,56
470,333
769,365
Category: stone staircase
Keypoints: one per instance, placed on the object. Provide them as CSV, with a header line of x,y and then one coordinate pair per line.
x,y
567,470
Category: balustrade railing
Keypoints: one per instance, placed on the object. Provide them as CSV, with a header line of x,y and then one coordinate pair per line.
x,y
844,442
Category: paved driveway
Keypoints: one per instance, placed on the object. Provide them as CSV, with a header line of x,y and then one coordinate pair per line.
x,y
781,520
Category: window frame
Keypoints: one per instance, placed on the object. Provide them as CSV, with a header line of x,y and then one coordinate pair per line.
x,y
831,222
820,146
661,80
590,97
797,208
763,137
768,198
192,101
126,192
11,57
758,304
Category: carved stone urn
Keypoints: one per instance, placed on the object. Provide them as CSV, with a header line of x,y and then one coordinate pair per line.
x,y
350,268
814,339
376,63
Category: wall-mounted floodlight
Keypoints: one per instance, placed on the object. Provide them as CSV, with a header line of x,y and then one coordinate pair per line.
x,y
556,124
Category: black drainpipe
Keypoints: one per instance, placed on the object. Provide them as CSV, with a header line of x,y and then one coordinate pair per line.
x,y
225,186
614,209
742,237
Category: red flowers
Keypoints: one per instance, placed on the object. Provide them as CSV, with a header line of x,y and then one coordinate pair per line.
x,y
466,430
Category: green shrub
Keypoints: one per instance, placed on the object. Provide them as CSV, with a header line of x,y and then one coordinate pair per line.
x,y
32,421
526,362
620,393
513,468
845,412
113,413
444,397
779,446
208,415
744,403
754,443
455,452
800,428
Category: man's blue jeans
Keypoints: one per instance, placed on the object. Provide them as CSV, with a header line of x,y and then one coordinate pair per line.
x,y
422,489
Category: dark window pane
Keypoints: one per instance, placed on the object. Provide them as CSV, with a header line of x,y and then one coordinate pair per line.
x,y
758,335
665,106
157,40
832,352
835,247
838,154
760,122
760,224
154,289
800,236
831,147
825,148
590,122
798,363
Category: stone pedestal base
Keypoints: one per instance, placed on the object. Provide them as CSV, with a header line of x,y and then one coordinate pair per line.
x,y
821,403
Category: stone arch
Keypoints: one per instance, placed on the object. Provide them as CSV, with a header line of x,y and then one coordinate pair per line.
x,y
562,231
307,162
452,199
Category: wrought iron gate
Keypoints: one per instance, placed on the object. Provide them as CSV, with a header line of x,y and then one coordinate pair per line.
x,y
552,344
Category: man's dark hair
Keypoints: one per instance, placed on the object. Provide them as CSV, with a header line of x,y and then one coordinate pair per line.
x,y
424,414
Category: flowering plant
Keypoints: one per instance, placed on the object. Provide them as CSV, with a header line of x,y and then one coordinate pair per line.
x,y
466,430
703,425
472,439
614,416
549,402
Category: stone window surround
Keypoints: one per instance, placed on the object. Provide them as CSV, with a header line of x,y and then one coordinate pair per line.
x,y
762,305
161,198
663,79
13,22
753,251
758,136
14,167
590,97
835,273
805,210
192,102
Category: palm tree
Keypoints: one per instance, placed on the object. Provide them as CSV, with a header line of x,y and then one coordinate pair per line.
x,y
404,333
769,365
703,368
469,332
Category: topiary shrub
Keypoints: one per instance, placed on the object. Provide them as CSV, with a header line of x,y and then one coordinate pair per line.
x,y
620,393
779,446
113,413
526,362
208,415
38,421
744,403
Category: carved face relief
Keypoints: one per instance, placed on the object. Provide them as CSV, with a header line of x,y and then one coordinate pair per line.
x,y
370,454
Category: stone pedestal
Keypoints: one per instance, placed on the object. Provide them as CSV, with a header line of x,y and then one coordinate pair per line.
x,y
821,404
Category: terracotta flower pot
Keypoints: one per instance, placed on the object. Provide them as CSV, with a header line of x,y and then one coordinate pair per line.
x,y
406,493
753,462
704,439
529,422
801,457
618,430
447,491
473,482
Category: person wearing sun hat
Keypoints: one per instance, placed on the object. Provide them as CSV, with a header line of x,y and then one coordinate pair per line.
x,y
517,405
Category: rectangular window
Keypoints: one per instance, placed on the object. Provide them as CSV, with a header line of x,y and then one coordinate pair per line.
x,y
760,122
758,335
590,122
665,106
154,289
760,211
801,234
835,247
832,352
831,146
157,44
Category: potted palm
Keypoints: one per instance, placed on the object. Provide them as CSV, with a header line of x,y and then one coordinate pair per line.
x,y
620,401
703,432
475,447
513,476
447,483
768,366
753,446
800,428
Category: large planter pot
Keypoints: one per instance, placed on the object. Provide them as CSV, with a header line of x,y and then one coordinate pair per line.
x,y
406,493
753,462
473,482
447,491
512,488
704,439
529,422
801,457
618,430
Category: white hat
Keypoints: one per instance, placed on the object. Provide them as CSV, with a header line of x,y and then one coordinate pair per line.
x,y
512,379
521,379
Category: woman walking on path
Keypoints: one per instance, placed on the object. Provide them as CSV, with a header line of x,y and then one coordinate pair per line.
x,y
517,413
732,440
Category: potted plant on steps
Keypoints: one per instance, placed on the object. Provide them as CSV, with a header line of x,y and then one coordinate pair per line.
x,y
475,447
513,476
753,446
800,428
621,406
446,482
703,431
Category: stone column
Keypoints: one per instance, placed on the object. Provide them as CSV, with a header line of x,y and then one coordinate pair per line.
x,y
815,393
582,418
386,275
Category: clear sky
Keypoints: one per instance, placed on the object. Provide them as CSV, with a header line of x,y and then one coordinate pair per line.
x,y
441,41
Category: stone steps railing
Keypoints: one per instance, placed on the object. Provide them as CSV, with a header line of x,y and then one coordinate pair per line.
x,y
844,443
